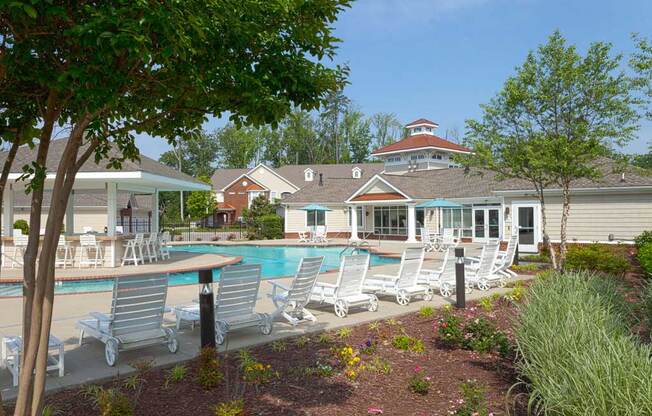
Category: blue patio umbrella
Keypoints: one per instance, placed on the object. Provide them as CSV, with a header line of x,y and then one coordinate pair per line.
x,y
315,208
439,203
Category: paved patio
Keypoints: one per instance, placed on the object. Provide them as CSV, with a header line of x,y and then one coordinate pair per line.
x,y
86,363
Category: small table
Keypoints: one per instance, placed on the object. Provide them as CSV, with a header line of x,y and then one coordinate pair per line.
x,y
12,347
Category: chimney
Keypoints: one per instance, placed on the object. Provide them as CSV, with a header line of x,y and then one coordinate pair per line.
x,y
321,179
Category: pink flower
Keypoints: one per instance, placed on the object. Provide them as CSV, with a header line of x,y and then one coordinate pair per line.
x,y
417,369
375,411
427,378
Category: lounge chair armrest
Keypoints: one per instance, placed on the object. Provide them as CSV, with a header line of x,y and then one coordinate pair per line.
x,y
277,285
385,276
430,272
326,285
100,316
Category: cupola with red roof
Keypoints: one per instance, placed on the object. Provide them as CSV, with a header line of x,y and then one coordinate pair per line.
x,y
420,150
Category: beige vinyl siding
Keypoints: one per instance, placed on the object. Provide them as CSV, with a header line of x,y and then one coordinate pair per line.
x,y
379,188
336,220
270,181
594,217
84,217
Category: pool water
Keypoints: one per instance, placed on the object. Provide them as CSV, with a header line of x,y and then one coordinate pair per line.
x,y
276,261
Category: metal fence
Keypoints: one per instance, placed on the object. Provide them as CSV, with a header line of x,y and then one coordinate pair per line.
x,y
194,231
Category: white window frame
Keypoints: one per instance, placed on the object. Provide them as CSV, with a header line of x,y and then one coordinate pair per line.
x,y
308,175
356,173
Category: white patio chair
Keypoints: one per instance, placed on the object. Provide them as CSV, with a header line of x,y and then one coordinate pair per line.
x,y
235,303
11,351
163,247
87,229
134,251
505,259
151,247
320,234
428,239
403,285
64,255
19,246
90,251
443,278
484,274
304,236
136,318
290,301
347,291
447,240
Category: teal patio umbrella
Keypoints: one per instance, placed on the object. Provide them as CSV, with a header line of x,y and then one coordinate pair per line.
x,y
439,203
315,208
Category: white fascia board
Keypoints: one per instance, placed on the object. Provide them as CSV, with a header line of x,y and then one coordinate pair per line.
x,y
248,177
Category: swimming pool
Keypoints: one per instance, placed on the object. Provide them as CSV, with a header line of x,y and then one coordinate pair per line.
x,y
276,261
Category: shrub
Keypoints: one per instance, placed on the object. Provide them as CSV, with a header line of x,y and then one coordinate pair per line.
x,y
644,238
577,351
351,361
449,331
644,257
175,375
426,311
473,400
419,383
230,408
647,304
209,374
369,347
536,258
408,343
266,227
480,335
279,346
344,333
487,304
110,402
596,258
254,372
22,225
380,365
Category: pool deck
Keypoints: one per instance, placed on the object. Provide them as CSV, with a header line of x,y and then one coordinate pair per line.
x,y
178,262
85,363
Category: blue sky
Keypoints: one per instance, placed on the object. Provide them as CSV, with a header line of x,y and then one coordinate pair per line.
x,y
440,59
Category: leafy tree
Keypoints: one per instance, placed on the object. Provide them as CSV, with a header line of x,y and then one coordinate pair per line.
x,y
262,221
641,62
643,160
336,104
238,146
260,206
201,203
387,128
107,70
196,155
559,113
356,133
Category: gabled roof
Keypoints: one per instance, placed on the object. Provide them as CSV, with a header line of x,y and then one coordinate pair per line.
x,y
421,141
253,185
421,122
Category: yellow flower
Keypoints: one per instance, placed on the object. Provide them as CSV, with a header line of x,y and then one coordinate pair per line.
x,y
269,366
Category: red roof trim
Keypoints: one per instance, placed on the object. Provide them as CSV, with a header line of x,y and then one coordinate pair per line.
x,y
420,141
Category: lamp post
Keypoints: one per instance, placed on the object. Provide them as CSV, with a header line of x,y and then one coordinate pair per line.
x,y
206,308
460,286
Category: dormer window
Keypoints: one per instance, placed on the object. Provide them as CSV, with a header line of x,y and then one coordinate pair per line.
x,y
356,173
308,175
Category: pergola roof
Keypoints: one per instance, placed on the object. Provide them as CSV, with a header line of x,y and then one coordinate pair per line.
x,y
145,172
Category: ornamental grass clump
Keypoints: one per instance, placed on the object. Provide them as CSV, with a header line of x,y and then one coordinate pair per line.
x,y
576,349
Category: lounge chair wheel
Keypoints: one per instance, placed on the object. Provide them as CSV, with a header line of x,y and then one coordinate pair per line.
x,y
373,303
483,284
341,308
402,297
173,342
219,338
502,282
266,327
220,333
428,295
446,290
111,352
468,289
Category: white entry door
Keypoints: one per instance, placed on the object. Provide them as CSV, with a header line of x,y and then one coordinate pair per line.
x,y
486,223
526,221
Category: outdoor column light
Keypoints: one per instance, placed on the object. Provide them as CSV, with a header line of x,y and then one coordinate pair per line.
x,y
206,308
460,287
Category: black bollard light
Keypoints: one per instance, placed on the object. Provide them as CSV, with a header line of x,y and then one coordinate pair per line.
x,y
206,308
516,254
460,286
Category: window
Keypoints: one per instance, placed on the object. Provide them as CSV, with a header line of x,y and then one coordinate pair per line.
x,y
360,214
390,220
272,196
314,218
285,195
437,156
459,218
393,159
357,173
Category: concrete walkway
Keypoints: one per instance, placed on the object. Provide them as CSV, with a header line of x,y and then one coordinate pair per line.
x,y
85,364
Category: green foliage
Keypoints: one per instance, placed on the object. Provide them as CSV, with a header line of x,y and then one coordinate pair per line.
x,y
302,341
647,304
268,227
426,311
643,238
237,145
577,351
644,257
230,408
196,155
538,258
387,128
597,258
449,330
356,133
253,371
480,335
176,374
408,343
641,62
200,203
132,382
419,383
279,346
380,365
209,374
22,225
487,304
474,402
110,402
525,267
344,333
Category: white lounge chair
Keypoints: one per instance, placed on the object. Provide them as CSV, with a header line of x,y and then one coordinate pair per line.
x,y
304,236
505,258
320,234
347,291
88,245
443,278
484,273
64,255
428,239
235,303
403,285
136,318
291,301
447,240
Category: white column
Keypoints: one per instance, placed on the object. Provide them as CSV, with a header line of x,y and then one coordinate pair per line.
x,y
412,223
8,211
354,223
155,225
70,214
111,207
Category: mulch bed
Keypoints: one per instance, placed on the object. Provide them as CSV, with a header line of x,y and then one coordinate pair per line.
x,y
294,392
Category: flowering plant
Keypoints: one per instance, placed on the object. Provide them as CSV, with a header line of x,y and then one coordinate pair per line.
x,y
350,360
449,330
254,371
419,383
368,347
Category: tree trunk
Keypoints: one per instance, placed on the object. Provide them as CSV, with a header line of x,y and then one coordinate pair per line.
x,y
544,230
2,409
565,211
